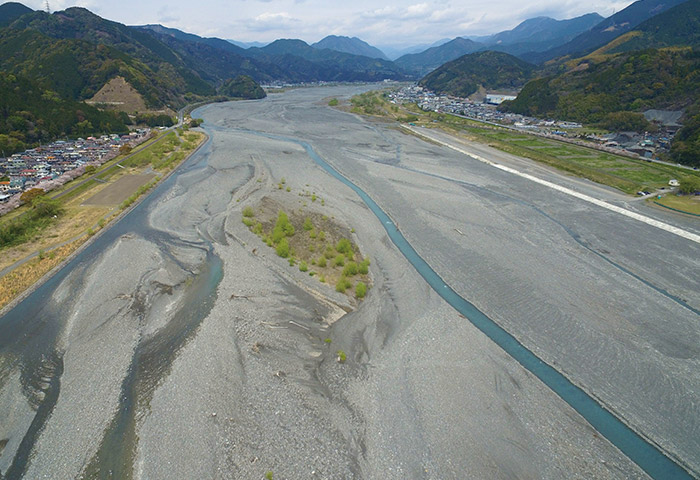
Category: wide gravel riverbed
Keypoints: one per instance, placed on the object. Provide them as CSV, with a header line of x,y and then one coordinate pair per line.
x,y
180,346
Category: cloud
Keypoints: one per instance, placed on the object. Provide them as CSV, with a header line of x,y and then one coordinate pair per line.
x,y
274,21
165,16
416,11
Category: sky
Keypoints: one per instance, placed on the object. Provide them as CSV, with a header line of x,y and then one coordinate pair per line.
x,y
395,23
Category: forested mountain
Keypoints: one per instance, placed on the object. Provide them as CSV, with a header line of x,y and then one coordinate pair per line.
x,y
430,59
75,53
492,70
300,59
242,87
51,63
613,91
349,45
11,11
30,114
190,37
287,60
607,30
633,73
539,34
678,26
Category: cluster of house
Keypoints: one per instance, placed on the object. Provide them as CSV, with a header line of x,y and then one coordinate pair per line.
x,y
633,144
47,163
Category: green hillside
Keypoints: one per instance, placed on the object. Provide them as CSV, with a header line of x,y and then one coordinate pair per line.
x,y
612,91
76,52
30,114
489,69
242,87
678,26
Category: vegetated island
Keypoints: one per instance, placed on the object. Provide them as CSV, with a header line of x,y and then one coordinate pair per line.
x,y
311,242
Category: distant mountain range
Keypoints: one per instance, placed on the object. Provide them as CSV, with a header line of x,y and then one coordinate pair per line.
x,y
71,55
352,45
428,60
607,30
533,35
540,34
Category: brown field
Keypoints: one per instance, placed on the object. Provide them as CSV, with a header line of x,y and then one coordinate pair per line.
x,y
24,276
115,193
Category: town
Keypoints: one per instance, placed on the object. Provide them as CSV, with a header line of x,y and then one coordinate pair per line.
x,y
646,146
52,165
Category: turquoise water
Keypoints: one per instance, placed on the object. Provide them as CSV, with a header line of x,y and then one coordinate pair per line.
x,y
652,460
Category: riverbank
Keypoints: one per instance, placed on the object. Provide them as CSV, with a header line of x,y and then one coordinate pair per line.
x,y
181,343
25,274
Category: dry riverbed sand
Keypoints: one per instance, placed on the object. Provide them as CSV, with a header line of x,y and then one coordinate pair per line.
x,y
191,350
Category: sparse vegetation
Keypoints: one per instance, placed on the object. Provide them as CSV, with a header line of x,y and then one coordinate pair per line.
x,y
334,264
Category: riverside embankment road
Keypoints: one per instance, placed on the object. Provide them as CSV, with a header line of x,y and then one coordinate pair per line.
x,y
179,345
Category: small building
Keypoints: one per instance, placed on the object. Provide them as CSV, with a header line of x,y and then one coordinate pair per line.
x,y
674,183
495,99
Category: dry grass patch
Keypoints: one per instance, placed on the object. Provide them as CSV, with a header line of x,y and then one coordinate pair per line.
x,y
23,277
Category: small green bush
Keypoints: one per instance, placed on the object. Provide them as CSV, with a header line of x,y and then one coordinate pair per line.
x,y
360,290
339,260
350,269
308,225
322,235
343,246
343,284
283,248
303,267
341,356
248,212
321,262
248,222
329,253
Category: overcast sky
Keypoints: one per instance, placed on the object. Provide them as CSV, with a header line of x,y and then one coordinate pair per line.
x,y
399,22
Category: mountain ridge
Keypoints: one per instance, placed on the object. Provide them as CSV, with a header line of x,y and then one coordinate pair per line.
x,y
352,45
606,31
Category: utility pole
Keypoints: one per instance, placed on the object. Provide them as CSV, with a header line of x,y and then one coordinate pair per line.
x,y
46,6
